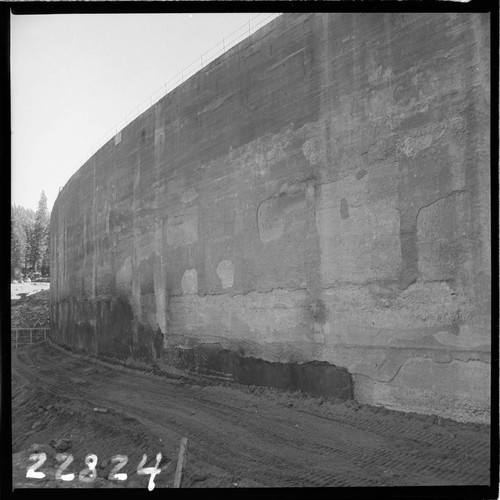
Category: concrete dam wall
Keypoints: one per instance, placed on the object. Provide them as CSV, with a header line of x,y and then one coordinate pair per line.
x,y
309,211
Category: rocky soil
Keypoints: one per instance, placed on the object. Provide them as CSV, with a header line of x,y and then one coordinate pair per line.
x,y
30,305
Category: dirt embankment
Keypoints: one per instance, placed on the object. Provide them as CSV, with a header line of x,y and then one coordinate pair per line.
x,y
30,305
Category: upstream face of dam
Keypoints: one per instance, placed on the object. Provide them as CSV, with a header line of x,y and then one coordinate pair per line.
x,y
310,211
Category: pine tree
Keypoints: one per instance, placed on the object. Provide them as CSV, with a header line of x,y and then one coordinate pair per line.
x,y
45,267
38,240
29,241
17,246
22,222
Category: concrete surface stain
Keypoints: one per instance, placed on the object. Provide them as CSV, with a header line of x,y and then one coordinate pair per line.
x,y
344,209
190,282
225,271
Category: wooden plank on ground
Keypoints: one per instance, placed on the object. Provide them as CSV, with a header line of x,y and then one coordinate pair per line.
x,y
180,463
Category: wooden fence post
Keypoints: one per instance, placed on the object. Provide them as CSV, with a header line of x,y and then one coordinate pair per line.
x,y
17,334
31,336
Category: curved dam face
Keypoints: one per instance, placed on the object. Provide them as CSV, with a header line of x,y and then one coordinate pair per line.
x,y
309,211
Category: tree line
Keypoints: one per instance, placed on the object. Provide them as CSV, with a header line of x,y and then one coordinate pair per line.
x,y
30,241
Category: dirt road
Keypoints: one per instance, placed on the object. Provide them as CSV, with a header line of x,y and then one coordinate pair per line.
x,y
237,436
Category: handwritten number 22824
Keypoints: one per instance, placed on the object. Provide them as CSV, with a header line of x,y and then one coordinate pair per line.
x,y
89,474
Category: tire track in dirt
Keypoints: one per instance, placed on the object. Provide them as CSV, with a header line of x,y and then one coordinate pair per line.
x,y
350,451
379,455
255,455
253,437
212,445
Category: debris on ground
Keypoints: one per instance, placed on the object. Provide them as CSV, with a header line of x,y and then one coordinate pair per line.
x,y
32,307
60,444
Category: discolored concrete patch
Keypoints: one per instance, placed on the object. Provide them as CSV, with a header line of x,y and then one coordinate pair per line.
x,y
225,271
189,282
315,378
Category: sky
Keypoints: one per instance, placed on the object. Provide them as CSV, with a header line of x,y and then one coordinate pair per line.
x,y
74,77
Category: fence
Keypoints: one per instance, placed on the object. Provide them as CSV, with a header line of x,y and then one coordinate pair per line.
x,y
26,336
217,50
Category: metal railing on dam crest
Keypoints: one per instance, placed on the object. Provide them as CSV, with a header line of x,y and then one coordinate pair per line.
x,y
206,58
